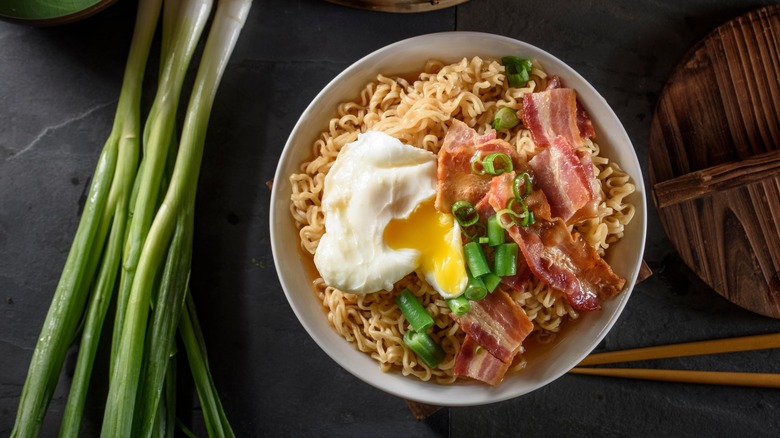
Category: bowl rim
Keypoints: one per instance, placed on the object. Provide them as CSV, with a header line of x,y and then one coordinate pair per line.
x,y
443,395
70,16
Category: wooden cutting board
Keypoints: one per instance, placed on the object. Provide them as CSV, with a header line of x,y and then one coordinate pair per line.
x,y
714,161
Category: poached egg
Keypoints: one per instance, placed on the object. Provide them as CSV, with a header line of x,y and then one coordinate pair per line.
x,y
380,220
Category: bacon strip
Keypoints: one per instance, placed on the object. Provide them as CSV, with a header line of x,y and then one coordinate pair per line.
x,y
456,181
564,261
497,323
477,363
567,180
584,123
551,113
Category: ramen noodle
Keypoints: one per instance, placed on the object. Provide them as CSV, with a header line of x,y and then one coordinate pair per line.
x,y
418,111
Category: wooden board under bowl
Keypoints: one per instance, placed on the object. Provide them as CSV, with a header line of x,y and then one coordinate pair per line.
x,y
722,105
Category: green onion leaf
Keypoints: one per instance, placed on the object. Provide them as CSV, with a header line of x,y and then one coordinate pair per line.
x,y
524,217
459,305
491,281
428,351
506,218
519,79
528,219
506,118
475,259
414,311
465,213
475,289
476,164
517,70
473,232
506,259
493,167
522,180
495,234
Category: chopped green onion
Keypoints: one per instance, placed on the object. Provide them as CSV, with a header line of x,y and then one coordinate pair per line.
x,y
519,79
491,281
476,164
504,163
522,180
526,216
459,305
517,70
475,289
475,259
414,311
483,240
428,351
528,220
506,259
495,234
473,232
506,118
512,205
465,213
506,218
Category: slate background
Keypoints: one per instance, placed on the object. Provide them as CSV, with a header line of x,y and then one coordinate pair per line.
x,y
58,90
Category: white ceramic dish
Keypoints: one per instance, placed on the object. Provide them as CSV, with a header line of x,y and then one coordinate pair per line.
x,y
407,56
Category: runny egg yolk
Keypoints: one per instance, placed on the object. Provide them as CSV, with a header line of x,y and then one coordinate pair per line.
x,y
431,233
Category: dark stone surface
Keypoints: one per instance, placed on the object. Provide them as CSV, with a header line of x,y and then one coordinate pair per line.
x,y
58,89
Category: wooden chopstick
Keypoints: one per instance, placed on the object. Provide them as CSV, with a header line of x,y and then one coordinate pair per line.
x,y
717,178
728,345
758,380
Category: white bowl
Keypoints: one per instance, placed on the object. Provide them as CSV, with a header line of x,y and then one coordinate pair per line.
x,y
410,55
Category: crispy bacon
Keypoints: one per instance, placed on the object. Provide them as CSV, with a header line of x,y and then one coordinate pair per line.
x,y
476,362
518,281
456,181
497,323
567,180
536,200
551,113
564,261
584,124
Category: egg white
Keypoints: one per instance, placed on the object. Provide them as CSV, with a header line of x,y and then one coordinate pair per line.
x,y
374,180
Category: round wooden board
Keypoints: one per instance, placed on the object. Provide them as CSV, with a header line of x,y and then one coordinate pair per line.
x,y
721,105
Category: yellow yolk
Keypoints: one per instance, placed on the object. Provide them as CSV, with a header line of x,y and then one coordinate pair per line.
x,y
436,236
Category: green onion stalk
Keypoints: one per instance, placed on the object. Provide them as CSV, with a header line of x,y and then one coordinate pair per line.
x,y
138,225
170,231
103,218
184,25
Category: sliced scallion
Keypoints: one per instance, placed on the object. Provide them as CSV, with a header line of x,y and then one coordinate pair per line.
x,y
465,213
459,305
476,164
473,232
506,118
506,218
413,310
506,259
521,185
497,163
491,281
475,259
475,289
426,349
495,234
517,70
